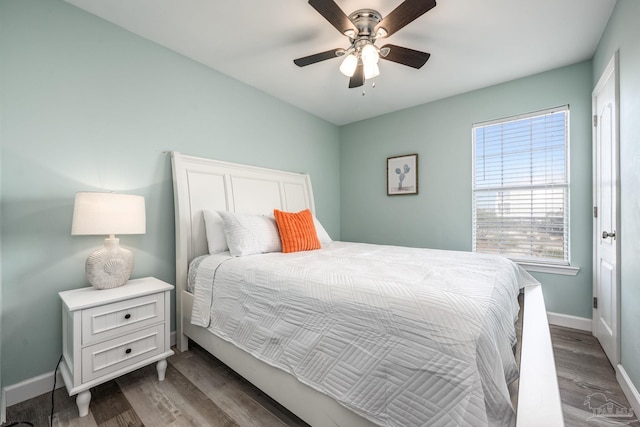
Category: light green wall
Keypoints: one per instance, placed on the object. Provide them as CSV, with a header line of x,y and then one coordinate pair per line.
x,y
440,132
623,34
86,105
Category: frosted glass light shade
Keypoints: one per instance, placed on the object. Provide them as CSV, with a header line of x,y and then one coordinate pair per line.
x,y
108,214
370,55
371,71
349,64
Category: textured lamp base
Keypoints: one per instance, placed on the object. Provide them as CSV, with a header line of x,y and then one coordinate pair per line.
x,y
110,266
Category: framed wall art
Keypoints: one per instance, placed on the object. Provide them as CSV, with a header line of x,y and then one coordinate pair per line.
x,y
402,175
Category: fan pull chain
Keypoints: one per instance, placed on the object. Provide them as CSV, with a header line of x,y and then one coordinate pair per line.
x,y
373,85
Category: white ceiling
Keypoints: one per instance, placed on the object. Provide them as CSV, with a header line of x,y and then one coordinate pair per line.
x,y
473,44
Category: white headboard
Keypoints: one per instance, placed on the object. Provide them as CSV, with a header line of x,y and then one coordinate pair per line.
x,y
202,184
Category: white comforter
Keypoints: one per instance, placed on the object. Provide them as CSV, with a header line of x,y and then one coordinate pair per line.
x,y
401,336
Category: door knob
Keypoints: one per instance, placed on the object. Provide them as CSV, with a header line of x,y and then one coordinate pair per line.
x,y
606,234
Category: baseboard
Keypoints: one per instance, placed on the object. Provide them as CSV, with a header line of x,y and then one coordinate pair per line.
x,y
568,321
33,387
628,388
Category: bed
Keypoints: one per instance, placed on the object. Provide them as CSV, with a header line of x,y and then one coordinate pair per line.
x,y
204,185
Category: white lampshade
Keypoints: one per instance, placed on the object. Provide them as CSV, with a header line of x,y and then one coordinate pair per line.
x,y
108,214
349,64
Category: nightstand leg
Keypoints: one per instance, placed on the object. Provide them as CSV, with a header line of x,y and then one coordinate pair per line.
x,y
162,369
82,401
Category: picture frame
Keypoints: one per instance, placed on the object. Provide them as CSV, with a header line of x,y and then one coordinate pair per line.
x,y
402,175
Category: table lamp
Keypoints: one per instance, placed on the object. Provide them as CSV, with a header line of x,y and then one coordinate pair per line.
x,y
108,214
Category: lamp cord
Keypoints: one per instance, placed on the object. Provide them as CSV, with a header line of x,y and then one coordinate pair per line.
x,y
55,377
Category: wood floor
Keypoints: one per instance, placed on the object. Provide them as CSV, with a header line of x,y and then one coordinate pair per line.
x,y
201,391
585,377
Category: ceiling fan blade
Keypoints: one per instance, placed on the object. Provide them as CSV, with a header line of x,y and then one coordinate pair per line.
x,y
406,56
332,13
312,59
357,79
405,13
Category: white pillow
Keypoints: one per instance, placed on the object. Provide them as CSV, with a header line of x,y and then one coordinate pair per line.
x,y
214,228
323,236
250,234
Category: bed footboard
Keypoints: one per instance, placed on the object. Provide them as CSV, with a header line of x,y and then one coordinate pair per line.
x,y
539,401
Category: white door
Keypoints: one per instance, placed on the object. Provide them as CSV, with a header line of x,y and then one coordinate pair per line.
x,y
606,162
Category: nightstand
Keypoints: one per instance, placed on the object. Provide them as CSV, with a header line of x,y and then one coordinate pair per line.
x,y
110,332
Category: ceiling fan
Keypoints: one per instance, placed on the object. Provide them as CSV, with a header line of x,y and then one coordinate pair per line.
x,y
363,27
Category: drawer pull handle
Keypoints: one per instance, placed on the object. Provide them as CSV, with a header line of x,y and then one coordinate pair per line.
x,y
127,316
128,351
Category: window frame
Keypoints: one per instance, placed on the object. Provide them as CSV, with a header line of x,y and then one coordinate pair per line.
x,y
559,266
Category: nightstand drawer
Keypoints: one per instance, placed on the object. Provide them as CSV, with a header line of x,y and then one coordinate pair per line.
x,y
116,319
109,356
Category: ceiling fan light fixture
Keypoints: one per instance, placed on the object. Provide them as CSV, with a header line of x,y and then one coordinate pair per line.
x,y
370,55
371,71
349,64
363,27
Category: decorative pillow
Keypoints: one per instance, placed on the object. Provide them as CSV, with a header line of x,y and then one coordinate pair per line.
x,y
214,228
323,236
250,234
297,231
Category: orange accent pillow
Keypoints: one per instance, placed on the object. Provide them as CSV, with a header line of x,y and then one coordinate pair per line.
x,y
297,231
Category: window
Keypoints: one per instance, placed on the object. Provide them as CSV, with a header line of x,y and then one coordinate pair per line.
x,y
520,187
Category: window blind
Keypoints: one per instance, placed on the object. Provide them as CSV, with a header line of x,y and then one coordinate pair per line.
x,y
520,187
